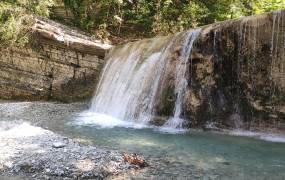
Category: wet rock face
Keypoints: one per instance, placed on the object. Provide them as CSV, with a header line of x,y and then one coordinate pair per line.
x,y
61,64
237,74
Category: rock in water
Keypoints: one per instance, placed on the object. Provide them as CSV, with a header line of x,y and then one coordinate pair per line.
x,y
134,159
58,145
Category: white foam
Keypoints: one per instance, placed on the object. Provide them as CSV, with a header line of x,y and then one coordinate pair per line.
x,y
20,130
259,135
172,130
88,118
273,138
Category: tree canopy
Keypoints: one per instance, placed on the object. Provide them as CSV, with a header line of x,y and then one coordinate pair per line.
x,y
127,19
16,18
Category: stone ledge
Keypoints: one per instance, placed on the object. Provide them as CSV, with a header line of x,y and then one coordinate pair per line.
x,y
73,39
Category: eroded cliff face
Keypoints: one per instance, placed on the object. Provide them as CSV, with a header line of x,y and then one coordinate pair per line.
x,y
237,77
60,64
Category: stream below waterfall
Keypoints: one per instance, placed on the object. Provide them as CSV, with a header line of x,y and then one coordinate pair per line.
x,y
188,155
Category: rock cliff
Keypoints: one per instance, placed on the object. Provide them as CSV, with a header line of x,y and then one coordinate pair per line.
x,y
60,64
237,77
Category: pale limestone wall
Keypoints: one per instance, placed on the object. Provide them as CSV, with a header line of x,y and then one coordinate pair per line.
x,y
50,69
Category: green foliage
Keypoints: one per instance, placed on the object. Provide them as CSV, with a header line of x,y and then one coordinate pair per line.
x,y
16,17
151,17
262,6
128,19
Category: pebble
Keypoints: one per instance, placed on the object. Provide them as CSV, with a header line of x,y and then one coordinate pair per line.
x,y
58,145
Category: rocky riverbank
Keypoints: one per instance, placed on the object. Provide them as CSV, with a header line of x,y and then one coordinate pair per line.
x,y
36,153
34,132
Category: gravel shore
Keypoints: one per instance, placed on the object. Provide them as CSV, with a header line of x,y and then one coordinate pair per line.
x,y
36,153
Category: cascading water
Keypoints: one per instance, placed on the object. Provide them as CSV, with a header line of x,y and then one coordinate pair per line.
x,y
181,79
132,78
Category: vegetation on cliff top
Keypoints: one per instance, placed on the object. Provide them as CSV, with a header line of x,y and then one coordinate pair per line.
x,y
131,19
16,17
121,20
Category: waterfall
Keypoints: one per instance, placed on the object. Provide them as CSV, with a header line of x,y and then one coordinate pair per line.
x,y
181,79
130,80
133,75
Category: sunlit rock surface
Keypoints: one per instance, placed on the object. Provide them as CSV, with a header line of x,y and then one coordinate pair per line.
x,y
59,64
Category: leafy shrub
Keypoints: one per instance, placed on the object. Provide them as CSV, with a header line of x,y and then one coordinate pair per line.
x,y
16,18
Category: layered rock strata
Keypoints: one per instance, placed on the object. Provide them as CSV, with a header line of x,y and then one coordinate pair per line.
x,y
60,64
